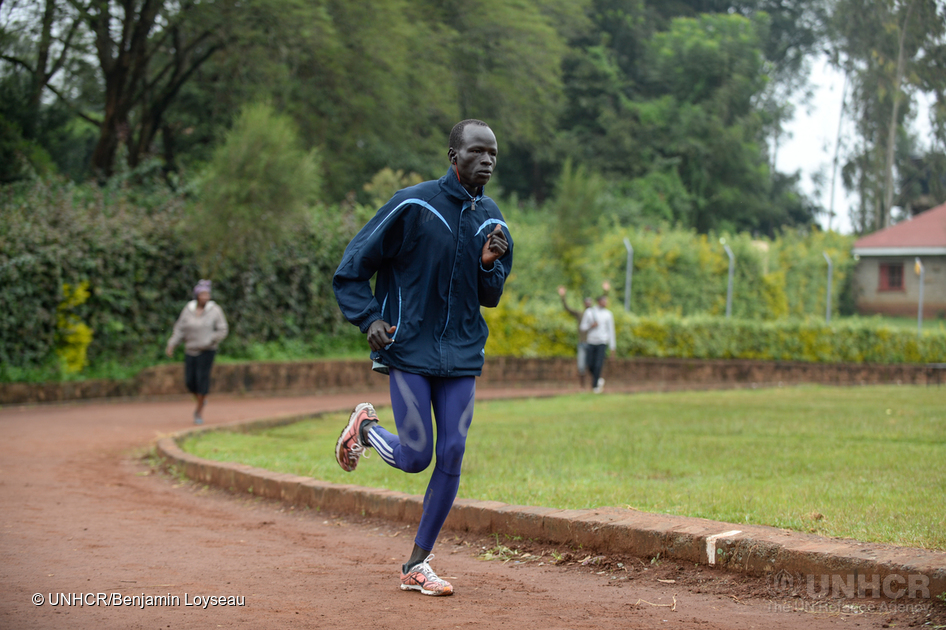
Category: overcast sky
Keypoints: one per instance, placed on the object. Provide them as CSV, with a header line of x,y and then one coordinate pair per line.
x,y
813,137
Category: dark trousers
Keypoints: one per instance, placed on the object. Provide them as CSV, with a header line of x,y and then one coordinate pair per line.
x,y
596,355
197,371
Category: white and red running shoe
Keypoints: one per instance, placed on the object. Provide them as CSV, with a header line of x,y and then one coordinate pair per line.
x,y
349,448
422,578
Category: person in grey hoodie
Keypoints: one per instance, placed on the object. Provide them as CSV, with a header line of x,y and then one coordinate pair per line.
x,y
201,326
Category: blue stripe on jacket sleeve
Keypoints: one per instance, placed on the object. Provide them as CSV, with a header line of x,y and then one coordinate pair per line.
x,y
419,202
488,222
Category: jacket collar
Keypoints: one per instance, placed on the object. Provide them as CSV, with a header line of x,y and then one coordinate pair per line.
x,y
451,183
192,305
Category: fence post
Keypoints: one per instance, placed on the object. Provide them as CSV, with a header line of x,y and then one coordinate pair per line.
x,y
732,266
827,312
628,274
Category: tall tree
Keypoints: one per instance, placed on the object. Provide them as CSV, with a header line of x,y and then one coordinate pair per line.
x,y
677,100
46,79
505,60
145,50
39,39
712,68
891,50
685,136
794,33
269,46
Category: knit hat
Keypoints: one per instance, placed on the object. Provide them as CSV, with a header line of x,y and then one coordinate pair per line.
x,y
202,286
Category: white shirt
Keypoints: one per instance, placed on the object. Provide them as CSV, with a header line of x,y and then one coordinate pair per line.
x,y
603,333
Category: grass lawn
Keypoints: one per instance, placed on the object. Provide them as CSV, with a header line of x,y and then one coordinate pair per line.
x,y
867,463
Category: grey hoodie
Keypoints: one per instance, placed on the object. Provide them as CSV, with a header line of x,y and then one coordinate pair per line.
x,y
199,332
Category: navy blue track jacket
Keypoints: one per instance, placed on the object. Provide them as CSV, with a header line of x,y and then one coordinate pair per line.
x,y
425,246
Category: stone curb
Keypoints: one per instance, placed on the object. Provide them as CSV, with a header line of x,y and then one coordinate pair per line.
x,y
629,374
791,560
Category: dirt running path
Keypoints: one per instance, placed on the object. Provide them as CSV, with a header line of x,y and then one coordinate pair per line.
x,y
83,514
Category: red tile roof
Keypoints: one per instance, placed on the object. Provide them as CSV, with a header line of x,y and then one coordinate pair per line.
x,y
925,230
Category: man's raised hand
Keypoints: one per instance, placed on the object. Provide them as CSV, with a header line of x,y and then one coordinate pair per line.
x,y
494,248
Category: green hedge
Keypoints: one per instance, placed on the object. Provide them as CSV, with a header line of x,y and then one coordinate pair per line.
x,y
126,246
100,274
56,234
527,329
679,272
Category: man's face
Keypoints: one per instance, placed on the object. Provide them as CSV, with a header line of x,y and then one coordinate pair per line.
x,y
476,157
603,302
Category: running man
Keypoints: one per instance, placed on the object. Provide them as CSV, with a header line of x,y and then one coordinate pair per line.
x,y
440,251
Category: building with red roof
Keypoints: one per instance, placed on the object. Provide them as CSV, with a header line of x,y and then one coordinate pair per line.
x,y
886,278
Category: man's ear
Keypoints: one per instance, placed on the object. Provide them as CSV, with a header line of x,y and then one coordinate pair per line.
x,y
452,155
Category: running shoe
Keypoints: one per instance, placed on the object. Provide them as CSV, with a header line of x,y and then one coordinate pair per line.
x,y
349,448
422,578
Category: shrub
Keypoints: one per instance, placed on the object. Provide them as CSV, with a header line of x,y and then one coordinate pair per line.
x,y
74,335
126,248
527,329
258,188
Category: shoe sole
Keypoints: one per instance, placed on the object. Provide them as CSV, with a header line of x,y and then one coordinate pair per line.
x,y
406,587
341,438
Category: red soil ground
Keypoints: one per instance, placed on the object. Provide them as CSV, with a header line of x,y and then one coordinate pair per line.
x,y
85,512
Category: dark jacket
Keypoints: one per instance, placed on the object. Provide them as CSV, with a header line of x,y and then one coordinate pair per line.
x,y
425,246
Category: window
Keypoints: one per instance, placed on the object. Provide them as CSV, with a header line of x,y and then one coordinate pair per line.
x,y
891,277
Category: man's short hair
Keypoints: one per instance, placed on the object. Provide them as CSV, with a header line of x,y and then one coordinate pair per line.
x,y
456,134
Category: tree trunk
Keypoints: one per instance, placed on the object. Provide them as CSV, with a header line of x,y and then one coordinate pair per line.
x,y
884,218
132,86
114,129
40,78
837,152
169,152
103,157
124,66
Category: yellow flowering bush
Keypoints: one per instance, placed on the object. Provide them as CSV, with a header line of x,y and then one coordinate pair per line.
x,y
73,335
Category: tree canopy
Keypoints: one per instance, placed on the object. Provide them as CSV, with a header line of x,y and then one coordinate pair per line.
x,y
669,111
